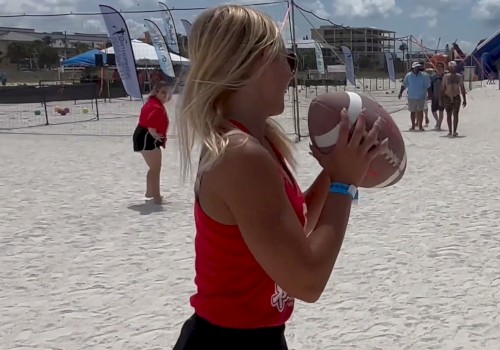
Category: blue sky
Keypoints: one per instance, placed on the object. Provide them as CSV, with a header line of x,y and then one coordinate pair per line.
x,y
467,21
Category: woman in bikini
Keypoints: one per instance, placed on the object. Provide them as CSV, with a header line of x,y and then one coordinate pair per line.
x,y
151,134
260,241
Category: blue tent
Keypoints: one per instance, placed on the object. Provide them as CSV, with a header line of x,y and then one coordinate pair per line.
x,y
86,59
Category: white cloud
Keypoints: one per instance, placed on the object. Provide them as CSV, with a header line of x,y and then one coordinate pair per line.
x,y
452,4
365,8
424,12
488,11
443,5
243,2
432,43
427,13
318,8
466,46
86,24
93,26
432,22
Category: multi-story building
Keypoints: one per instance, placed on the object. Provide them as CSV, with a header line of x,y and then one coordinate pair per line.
x,y
368,45
67,44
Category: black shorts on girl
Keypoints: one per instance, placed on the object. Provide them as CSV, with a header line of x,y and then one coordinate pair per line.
x,y
199,334
144,141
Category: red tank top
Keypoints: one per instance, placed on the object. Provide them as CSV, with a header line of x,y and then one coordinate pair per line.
x,y
233,290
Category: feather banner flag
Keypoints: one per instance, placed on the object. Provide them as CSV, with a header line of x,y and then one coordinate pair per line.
x,y
170,31
389,58
349,65
161,48
320,63
187,26
122,46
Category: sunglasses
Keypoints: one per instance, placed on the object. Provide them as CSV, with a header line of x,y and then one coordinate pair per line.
x,y
292,61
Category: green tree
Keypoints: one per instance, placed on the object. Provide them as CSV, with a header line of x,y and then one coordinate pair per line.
x,y
47,40
35,49
48,57
81,47
365,62
18,53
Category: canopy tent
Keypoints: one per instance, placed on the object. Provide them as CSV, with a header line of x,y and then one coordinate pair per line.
x,y
145,54
86,59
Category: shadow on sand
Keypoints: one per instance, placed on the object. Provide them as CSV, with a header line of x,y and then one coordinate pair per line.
x,y
453,137
146,208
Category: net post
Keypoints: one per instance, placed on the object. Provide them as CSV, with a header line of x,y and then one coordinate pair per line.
x,y
44,101
97,107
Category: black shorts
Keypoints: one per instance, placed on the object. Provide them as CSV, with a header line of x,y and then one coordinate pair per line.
x,y
144,141
199,334
435,105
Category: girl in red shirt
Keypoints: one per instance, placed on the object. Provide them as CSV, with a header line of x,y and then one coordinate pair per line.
x,y
151,134
260,241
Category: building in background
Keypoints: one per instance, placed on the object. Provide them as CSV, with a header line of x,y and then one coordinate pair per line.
x,y
66,44
368,45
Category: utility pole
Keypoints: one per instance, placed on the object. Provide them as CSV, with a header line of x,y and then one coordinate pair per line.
x,y
65,44
295,104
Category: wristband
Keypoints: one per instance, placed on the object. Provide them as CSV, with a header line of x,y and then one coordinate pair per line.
x,y
348,190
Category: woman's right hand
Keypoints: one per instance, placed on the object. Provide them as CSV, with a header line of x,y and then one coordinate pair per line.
x,y
159,143
350,159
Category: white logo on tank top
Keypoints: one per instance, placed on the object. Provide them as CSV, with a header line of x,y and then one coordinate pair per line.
x,y
280,299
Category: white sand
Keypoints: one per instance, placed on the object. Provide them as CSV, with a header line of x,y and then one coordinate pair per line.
x,y
86,264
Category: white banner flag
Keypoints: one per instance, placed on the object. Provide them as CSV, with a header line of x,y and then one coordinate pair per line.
x,y
187,26
349,65
170,31
160,47
122,46
320,63
389,58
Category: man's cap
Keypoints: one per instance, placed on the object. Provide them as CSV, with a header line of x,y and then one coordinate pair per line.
x,y
416,65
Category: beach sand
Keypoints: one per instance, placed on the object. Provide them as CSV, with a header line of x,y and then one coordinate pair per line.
x,y
86,263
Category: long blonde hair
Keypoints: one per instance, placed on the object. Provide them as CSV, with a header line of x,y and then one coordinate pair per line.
x,y
223,44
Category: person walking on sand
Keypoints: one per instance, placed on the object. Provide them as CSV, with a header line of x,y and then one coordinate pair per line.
x,y
417,83
491,79
426,105
3,78
260,241
151,134
426,112
451,89
437,106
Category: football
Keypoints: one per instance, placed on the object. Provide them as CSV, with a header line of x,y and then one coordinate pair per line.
x,y
323,122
